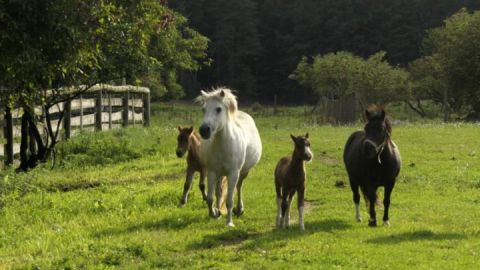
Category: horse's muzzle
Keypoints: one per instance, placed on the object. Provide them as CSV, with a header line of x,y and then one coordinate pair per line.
x,y
205,131
180,153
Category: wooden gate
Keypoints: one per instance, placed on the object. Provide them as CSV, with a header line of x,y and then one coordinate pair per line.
x,y
338,111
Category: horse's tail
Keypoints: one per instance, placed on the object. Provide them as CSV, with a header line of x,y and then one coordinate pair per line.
x,y
378,202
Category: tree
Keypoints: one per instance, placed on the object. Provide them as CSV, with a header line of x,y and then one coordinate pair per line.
x,y
452,57
334,75
52,51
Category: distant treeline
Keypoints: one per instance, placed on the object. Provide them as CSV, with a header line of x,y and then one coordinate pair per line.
x,y
256,44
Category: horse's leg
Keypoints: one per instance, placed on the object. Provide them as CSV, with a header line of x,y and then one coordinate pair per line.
x,y
232,182
284,206
286,216
300,203
372,197
356,200
218,194
201,184
278,190
187,186
386,202
212,179
239,209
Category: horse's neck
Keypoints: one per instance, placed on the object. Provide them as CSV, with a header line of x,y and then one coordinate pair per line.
x,y
228,131
296,163
193,145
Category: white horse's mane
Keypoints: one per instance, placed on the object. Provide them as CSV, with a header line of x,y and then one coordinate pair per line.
x,y
223,95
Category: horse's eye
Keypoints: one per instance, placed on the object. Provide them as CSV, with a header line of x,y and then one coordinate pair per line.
x,y
219,109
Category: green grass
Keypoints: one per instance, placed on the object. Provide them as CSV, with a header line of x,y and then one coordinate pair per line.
x,y
115,206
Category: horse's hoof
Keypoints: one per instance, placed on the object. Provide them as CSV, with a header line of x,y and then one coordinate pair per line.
x,y
230,224
372,223
386,223
215,213
182,203
238,212
302,227
358,219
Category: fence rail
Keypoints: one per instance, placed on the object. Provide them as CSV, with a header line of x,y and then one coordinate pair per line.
x,y
102,107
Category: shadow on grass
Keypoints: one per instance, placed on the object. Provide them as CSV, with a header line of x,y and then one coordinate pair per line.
x,y
255,239
169,223
423,235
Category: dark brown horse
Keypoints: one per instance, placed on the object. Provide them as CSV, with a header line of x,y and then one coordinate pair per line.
x,y
189,141
290,177
372,160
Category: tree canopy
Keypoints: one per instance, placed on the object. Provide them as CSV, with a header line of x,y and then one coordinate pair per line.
x,y
53,50
260,42
334,75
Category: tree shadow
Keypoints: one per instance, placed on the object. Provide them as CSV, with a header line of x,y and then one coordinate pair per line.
x,y
422,235
169,223
255,239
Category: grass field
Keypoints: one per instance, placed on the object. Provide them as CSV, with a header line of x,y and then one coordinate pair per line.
x,y
112,203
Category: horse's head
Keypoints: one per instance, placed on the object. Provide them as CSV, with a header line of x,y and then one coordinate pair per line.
x,y
218,106
183,140
302,147
377,132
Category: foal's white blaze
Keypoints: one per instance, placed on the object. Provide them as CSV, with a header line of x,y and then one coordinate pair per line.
x,y
300,218
308,152
357,212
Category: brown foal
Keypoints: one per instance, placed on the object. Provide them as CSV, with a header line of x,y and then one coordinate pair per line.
x,y
189,141
290,177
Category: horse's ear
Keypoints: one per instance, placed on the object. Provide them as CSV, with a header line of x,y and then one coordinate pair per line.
x,y
367,114
306,135
382,114
293,138
190,130
203,93
179,128
222,93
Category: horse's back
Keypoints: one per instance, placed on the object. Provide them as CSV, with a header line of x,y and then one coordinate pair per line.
x,y
252,138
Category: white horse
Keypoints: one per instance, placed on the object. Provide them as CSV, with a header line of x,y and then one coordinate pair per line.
x,y
230,147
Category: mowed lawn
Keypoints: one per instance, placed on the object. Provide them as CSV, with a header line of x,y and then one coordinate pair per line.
x,y
123,212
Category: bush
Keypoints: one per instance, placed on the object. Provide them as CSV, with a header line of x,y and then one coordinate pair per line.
x,y
98,149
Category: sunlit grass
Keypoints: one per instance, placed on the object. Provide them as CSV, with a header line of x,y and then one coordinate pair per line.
x,y
122,213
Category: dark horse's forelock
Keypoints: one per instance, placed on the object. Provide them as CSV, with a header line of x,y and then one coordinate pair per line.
x,y
377,112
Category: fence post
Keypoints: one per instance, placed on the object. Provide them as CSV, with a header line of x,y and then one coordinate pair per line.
x,y
81,112
98,111
67,116
133,108
146,109
109,110
125,109
8,132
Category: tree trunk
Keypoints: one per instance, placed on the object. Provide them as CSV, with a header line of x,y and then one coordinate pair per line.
x,y
445,105
24,143
419,109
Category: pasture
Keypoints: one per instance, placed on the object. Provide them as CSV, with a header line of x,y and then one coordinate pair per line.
x,y
113,204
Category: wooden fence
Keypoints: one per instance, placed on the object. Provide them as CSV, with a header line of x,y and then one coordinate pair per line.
x,y
102,107
338,111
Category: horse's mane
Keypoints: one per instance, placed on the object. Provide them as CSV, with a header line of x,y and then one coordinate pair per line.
x,y
223,95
